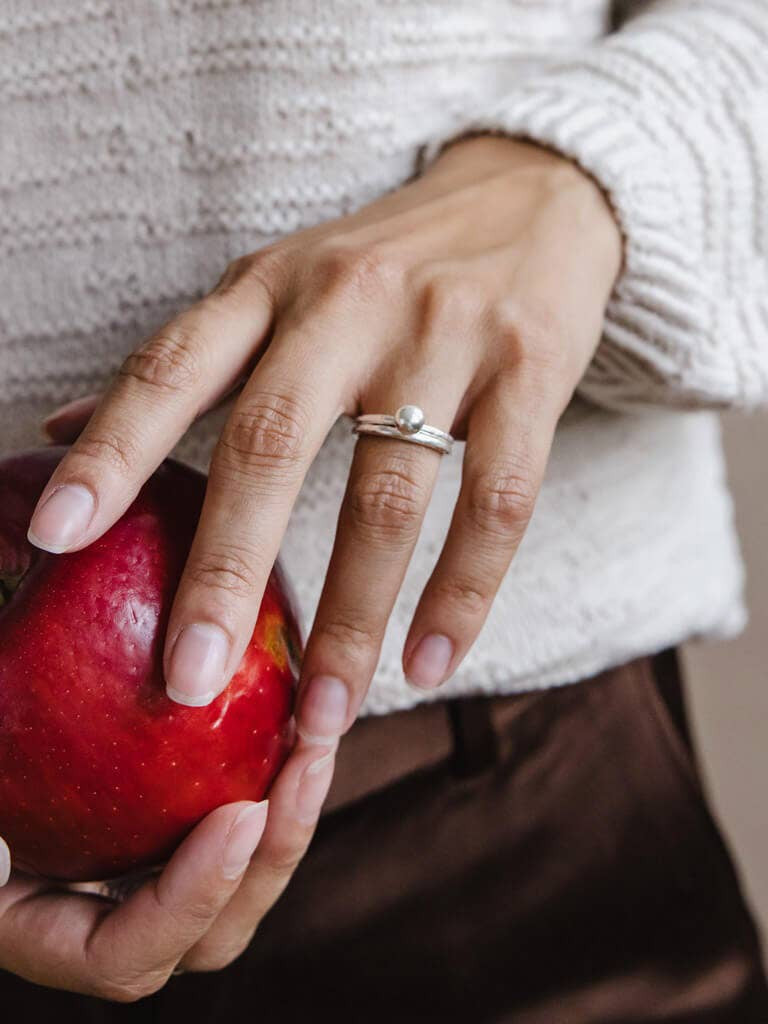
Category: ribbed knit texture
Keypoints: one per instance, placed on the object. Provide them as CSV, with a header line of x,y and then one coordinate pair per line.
x,y
145,145
671,116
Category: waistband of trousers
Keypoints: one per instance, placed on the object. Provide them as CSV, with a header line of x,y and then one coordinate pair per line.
x,y
468,734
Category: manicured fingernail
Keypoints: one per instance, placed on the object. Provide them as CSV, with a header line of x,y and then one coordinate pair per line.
x,y
323,712
430,660
244,837
63,518
199,657
313,788
5,863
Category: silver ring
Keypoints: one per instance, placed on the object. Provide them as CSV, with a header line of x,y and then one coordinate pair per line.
x,y
406,425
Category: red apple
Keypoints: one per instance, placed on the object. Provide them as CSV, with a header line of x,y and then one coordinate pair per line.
x,y
100,772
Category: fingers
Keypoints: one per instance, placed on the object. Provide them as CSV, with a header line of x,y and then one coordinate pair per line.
x,y
138,945
161,388
200,912
295,801
509,437
66,422
274,431
80,943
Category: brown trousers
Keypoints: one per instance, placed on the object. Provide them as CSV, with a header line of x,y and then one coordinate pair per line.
x,y
547,858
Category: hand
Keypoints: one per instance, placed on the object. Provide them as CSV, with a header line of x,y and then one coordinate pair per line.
x,y
477,292
199,914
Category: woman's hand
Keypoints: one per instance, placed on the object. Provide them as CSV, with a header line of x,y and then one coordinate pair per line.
x,y
476,292
198,915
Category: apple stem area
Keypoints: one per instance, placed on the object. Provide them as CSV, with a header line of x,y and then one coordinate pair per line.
x,y
8,586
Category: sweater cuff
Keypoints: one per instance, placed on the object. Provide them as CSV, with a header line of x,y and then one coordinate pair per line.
x,y
657,315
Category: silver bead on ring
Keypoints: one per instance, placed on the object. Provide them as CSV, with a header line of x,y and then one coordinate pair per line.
x,y
409,419
406,425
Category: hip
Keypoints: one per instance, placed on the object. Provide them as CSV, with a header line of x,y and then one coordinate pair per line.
x,y
544,858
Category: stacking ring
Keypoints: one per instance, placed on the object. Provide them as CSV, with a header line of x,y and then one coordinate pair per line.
x,y
406,425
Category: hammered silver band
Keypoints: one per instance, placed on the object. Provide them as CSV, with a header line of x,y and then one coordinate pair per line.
x,y
406,425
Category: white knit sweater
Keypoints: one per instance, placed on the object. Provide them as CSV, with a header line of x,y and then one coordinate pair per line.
x,y
144,145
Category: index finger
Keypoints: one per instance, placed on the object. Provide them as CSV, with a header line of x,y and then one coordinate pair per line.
x,y
160,389
279,422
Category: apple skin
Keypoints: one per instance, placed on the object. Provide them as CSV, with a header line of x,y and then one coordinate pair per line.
x,y
100,773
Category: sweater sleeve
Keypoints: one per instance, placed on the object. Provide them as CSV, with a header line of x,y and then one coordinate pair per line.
x,y
669,114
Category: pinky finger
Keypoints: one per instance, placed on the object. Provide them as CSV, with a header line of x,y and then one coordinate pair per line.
x,y
509,436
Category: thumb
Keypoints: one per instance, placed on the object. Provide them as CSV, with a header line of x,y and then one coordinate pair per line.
x,y
65,423
156,926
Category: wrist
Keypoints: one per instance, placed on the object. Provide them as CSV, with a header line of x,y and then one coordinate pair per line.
x,y
474,157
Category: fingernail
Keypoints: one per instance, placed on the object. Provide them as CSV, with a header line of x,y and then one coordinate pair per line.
x,y
244,837
5,863
313,788
63,518
323,711
199,658
430,660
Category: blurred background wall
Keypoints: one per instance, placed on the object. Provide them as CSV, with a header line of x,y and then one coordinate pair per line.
x,y
728,682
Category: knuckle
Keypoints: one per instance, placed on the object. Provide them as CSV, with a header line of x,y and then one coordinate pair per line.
x,y
509,333
387,502
501,500
167,362
534,335
450,299
269,434
266,265
234,273
544,327
263,270
228,569
465,593
365,270
285,859
357,639
216,957
284,862
196,912
235,269
116,450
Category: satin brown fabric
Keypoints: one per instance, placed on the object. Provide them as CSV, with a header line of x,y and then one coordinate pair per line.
x,y
546,859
